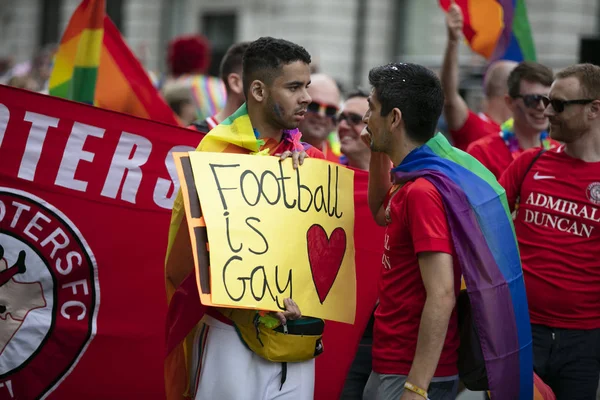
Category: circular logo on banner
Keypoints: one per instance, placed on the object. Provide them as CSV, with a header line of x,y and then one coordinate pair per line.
x,y
593,192
48,295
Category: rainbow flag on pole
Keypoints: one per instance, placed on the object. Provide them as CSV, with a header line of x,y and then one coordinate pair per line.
x,y
486,246
497,29
94,65
76,63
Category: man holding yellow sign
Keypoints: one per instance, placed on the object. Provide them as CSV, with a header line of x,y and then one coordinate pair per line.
x,y
251,210
244,200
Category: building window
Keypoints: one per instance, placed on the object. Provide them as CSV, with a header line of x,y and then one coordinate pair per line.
x,y
50,24
114,9
221,31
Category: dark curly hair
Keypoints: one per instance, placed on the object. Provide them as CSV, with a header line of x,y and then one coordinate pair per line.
x,y
413,89
265,57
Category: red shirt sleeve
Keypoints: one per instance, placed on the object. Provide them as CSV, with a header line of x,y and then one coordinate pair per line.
x,y
473,129
426,218
512,179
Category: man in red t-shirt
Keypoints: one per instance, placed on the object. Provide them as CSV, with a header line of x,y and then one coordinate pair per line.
x,y
415,338
528,83
465,126
557,223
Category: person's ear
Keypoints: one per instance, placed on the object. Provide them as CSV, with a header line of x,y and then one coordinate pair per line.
x,y
235,83
510,102
258,90
396,118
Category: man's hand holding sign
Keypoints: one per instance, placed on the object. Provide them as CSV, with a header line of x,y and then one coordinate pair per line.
x,y
275,233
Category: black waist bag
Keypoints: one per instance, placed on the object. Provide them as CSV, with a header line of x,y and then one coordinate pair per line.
x,y
471,365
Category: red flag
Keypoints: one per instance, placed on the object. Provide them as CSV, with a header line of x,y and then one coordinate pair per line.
x,y
85,198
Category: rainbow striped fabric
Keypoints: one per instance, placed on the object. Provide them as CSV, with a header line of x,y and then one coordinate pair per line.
x,y
497,29
334,143
94,65
236,132
76,63
208,93
486,247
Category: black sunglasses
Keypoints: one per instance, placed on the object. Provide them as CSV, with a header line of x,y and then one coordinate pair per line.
x,y
350,118
322,109
531,100
559,105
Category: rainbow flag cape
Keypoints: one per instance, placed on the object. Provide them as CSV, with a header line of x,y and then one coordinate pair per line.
x,y
94,65
486,246
497,29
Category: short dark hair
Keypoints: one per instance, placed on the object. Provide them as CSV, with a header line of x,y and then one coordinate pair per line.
x,y
588,76
531,72
232,61
265,57
416,91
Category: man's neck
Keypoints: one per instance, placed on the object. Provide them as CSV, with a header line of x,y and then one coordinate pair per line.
x,y
231,106
527,138
399,152
359,161
495,108
259,122
586,148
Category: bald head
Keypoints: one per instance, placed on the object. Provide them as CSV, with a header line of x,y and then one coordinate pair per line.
x,y
317,123
323,89
496,77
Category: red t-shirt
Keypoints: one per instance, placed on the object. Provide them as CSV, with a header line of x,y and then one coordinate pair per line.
x,y
558,229
494,154
417,223
475,127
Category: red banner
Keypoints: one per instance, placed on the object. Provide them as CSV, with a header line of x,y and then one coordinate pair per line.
x,y
85,198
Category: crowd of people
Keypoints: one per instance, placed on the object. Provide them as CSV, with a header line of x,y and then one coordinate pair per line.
x,y
538,134
545,156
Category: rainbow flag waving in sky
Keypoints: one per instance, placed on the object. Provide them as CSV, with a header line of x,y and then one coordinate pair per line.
x,y
486,246
497,29
94,65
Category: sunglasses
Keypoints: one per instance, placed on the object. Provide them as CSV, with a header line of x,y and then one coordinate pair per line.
x,y
322,109
531,100
351,118
559,105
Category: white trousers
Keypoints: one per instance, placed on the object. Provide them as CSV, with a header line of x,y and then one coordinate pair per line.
x,y
228,370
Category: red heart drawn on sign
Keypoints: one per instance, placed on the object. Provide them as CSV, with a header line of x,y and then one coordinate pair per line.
x,y
325,256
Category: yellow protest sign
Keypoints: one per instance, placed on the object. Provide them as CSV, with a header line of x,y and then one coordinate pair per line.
x,y
275,232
